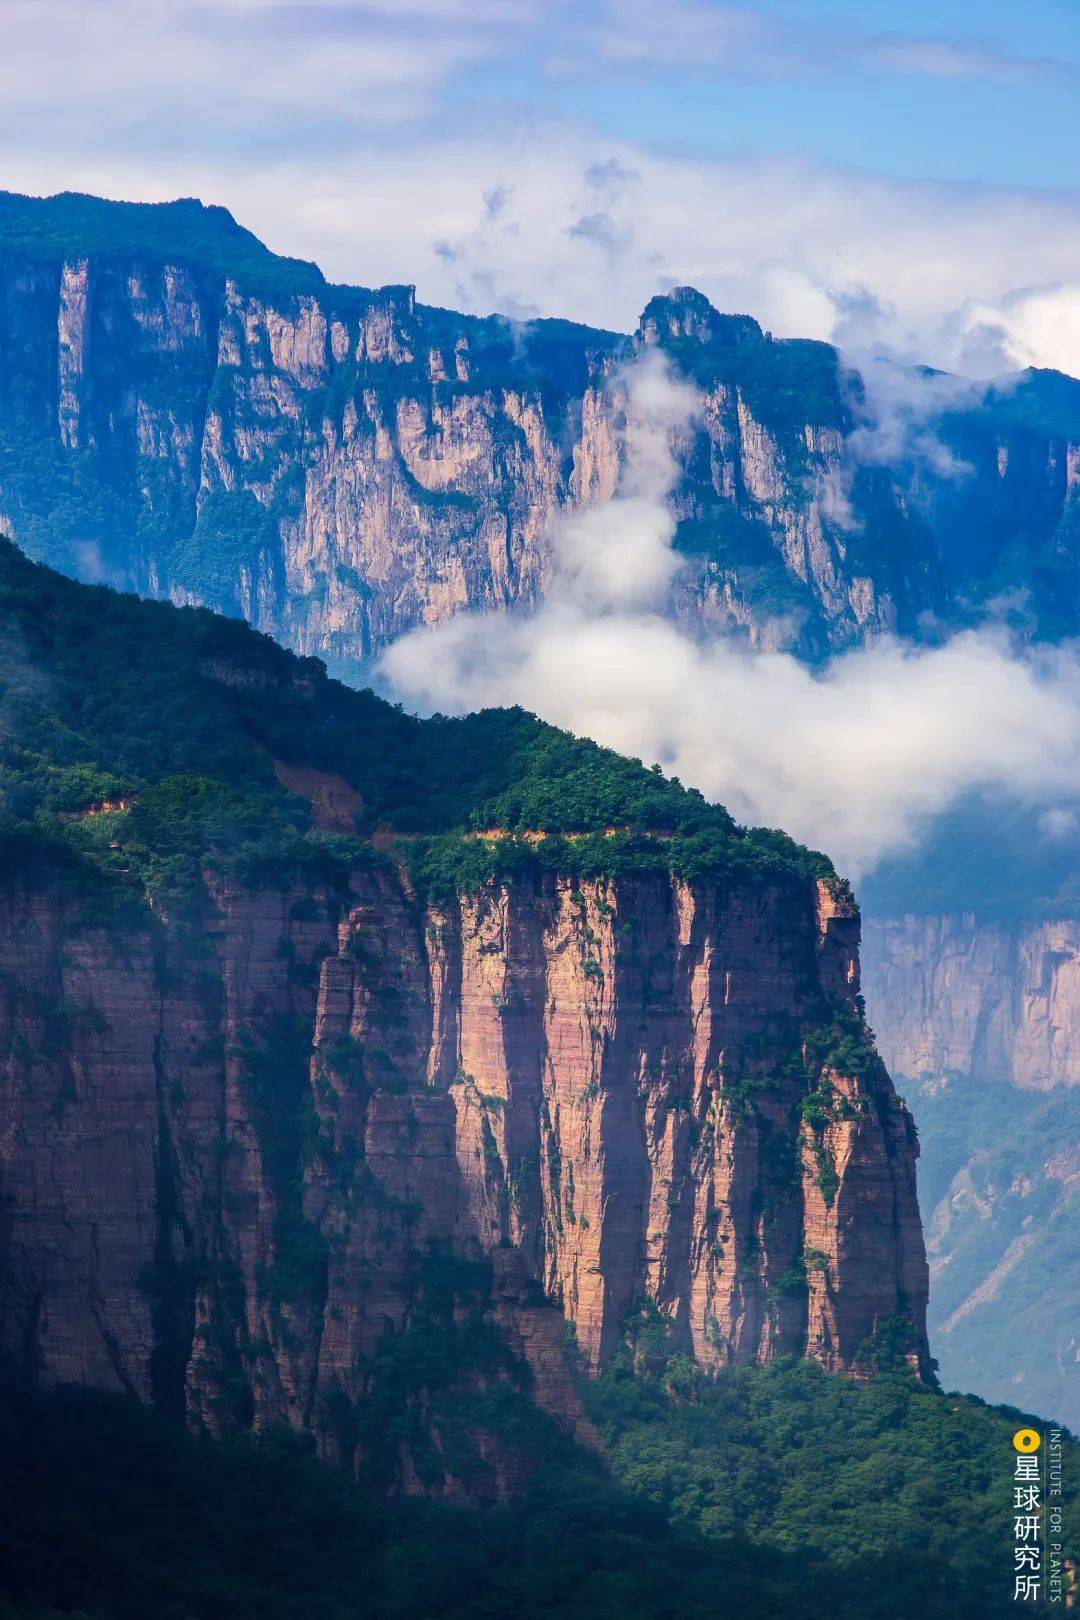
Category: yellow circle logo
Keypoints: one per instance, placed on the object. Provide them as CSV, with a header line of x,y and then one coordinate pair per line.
x,y
1027,1440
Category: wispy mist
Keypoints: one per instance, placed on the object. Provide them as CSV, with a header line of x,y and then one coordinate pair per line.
x,y
854,758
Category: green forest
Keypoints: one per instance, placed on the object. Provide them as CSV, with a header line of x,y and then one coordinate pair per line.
x,y
757,1492
137,748
166,723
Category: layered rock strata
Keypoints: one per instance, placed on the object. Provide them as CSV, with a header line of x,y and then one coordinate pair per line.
x,y
339,465
956,995
188,414
231,1152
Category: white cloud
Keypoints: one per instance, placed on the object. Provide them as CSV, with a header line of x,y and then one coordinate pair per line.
x,y
854,758
590,229
896,409
335,65
182,75
744,39
348,131
1058,823
617,555
1030,326
959,59
685,34
351,132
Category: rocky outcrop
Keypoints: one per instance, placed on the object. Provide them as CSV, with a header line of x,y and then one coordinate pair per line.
x,y
955,995
187,414
980,1022
340,465
234,1149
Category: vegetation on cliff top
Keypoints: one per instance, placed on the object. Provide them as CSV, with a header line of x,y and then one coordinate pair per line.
x,y
139,740
73,225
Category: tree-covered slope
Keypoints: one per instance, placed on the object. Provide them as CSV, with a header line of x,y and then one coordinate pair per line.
x,y
74,225
782,1492
138,739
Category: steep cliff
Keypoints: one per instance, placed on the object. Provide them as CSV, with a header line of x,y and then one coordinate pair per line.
x,y
999,1184
978,1019
225,1158
184,412
295,1118
970,996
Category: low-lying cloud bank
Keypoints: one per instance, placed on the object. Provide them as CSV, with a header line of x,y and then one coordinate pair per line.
x,y
855,758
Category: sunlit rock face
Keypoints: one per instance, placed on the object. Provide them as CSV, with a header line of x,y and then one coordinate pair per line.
x,y
229,1154
190,415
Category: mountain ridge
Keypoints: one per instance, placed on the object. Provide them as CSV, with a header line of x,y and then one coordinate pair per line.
x,y
339,465
304,1094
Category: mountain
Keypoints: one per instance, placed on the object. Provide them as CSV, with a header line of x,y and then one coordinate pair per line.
x,y
977,1019
333,1026
999,1183
188,414
368,1091
971,969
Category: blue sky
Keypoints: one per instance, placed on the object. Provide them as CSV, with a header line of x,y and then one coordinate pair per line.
x,y
897,179
952,91
888,175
